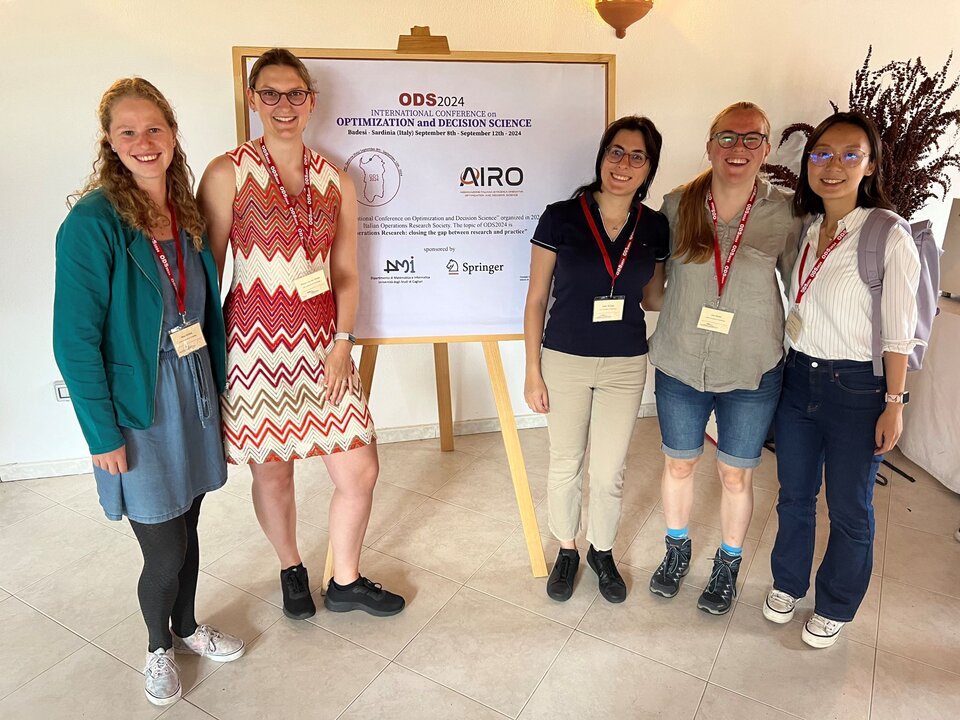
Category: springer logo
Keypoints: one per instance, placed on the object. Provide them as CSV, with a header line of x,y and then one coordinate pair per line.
x,y
454,268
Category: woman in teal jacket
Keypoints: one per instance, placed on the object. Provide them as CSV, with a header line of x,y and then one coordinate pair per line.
x,y
138,335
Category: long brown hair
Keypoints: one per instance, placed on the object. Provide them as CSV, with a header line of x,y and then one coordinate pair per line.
x,y
132,204
694,242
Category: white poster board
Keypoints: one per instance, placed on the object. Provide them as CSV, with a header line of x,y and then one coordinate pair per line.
x,y
453,160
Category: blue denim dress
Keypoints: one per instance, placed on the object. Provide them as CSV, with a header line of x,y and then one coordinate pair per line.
x,y
180,456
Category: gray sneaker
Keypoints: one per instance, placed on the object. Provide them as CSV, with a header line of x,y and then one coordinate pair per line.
x,y
210,643
161,677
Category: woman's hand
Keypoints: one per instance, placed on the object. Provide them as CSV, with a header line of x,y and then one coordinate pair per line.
x,y
889,427
113,462
338,372
535,393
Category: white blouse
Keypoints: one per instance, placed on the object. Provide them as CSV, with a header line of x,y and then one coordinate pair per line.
x,y
836,309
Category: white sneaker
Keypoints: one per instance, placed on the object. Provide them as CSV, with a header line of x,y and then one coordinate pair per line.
x,y
161,677
821,632
779,606
210,643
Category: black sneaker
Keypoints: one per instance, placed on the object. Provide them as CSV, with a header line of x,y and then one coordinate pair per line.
x,y
560,582
718,595
295,583
676,563
364,595
612,586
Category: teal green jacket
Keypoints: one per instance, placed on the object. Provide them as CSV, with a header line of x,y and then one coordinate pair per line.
x,y
108,317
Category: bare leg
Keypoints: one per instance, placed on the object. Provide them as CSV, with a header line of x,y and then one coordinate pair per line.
x,y
276,508
676,490
736,503
354,474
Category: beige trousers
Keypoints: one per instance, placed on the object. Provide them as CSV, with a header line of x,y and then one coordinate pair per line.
x,y
599,398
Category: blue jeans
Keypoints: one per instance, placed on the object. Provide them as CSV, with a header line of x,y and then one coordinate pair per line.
x,y
743,418
827,418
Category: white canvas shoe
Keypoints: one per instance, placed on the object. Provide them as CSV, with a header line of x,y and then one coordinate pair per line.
x,y
779,606
210,643
161,677
821,632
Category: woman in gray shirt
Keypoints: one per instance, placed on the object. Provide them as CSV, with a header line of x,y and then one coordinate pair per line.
x,y
719,340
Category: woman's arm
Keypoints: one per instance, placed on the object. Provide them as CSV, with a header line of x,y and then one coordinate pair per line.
x,y
890,424
542,263
653,290
81,298
345,285
898,322
216,194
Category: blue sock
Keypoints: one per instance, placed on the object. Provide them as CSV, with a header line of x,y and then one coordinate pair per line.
x,y
730,550
677,533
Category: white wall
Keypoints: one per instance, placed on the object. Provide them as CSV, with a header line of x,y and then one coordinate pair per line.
x,y
682,63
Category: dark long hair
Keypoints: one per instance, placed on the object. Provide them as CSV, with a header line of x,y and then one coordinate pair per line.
x,y
870,194
651,139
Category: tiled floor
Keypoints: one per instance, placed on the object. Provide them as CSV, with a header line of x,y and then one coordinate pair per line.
x,y
479,638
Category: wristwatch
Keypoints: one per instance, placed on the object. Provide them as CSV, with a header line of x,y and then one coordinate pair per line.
x,y
901,398
345,336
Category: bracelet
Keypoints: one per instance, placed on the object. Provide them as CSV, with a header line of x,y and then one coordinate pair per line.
x,y
345,336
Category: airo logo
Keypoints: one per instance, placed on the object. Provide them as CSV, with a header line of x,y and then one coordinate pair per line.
x,y
486,177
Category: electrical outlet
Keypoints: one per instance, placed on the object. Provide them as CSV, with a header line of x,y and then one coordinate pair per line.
x,y
60,391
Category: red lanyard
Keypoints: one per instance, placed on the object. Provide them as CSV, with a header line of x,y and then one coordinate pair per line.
x,y
179,289
724,272
603,249
805,284
307,232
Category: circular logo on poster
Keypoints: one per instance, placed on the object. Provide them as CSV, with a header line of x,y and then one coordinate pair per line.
x,y
376,174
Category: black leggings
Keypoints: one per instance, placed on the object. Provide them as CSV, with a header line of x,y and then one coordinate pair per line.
x,y
168,583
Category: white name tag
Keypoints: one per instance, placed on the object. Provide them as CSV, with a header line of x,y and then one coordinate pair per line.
x,y
312,285
715,320
608,309
187,338
794,325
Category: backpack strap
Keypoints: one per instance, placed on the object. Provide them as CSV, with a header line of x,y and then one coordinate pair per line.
x,y
871,252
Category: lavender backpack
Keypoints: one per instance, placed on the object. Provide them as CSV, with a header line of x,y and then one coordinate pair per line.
x,y
871,252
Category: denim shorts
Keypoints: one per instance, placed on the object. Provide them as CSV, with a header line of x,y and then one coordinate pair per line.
x,y
743,418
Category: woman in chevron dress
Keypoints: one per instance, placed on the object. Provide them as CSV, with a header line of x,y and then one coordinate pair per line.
x,y
290,217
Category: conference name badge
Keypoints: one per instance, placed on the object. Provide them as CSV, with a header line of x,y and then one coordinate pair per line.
x,y
608,309
187,338
715,320
794,325
311,285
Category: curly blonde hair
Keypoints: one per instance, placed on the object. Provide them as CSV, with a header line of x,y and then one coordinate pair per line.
x,y
109,173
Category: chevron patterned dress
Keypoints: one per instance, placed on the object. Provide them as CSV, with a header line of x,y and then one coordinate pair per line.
x,y
273,408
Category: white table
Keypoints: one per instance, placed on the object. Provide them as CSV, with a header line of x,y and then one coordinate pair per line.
x,y
931,434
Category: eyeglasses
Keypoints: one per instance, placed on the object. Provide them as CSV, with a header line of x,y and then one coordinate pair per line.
x,y
615,154
272,97
728,139
848,158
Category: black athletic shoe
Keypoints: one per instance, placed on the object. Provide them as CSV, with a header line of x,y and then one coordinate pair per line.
x,y
364,595
676,563
560,582
611,583
295,583
718,595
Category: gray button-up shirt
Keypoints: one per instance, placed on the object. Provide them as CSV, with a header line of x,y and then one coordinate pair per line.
x,y
709,361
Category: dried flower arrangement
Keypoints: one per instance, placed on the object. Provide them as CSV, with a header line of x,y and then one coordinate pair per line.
x,y
909,106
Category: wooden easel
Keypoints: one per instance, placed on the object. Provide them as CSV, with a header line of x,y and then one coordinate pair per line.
x,y
421,46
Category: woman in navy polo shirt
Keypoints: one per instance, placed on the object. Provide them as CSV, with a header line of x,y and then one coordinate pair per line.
x,y
602,252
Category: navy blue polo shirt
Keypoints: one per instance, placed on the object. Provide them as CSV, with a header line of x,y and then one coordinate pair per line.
x,y
580,275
